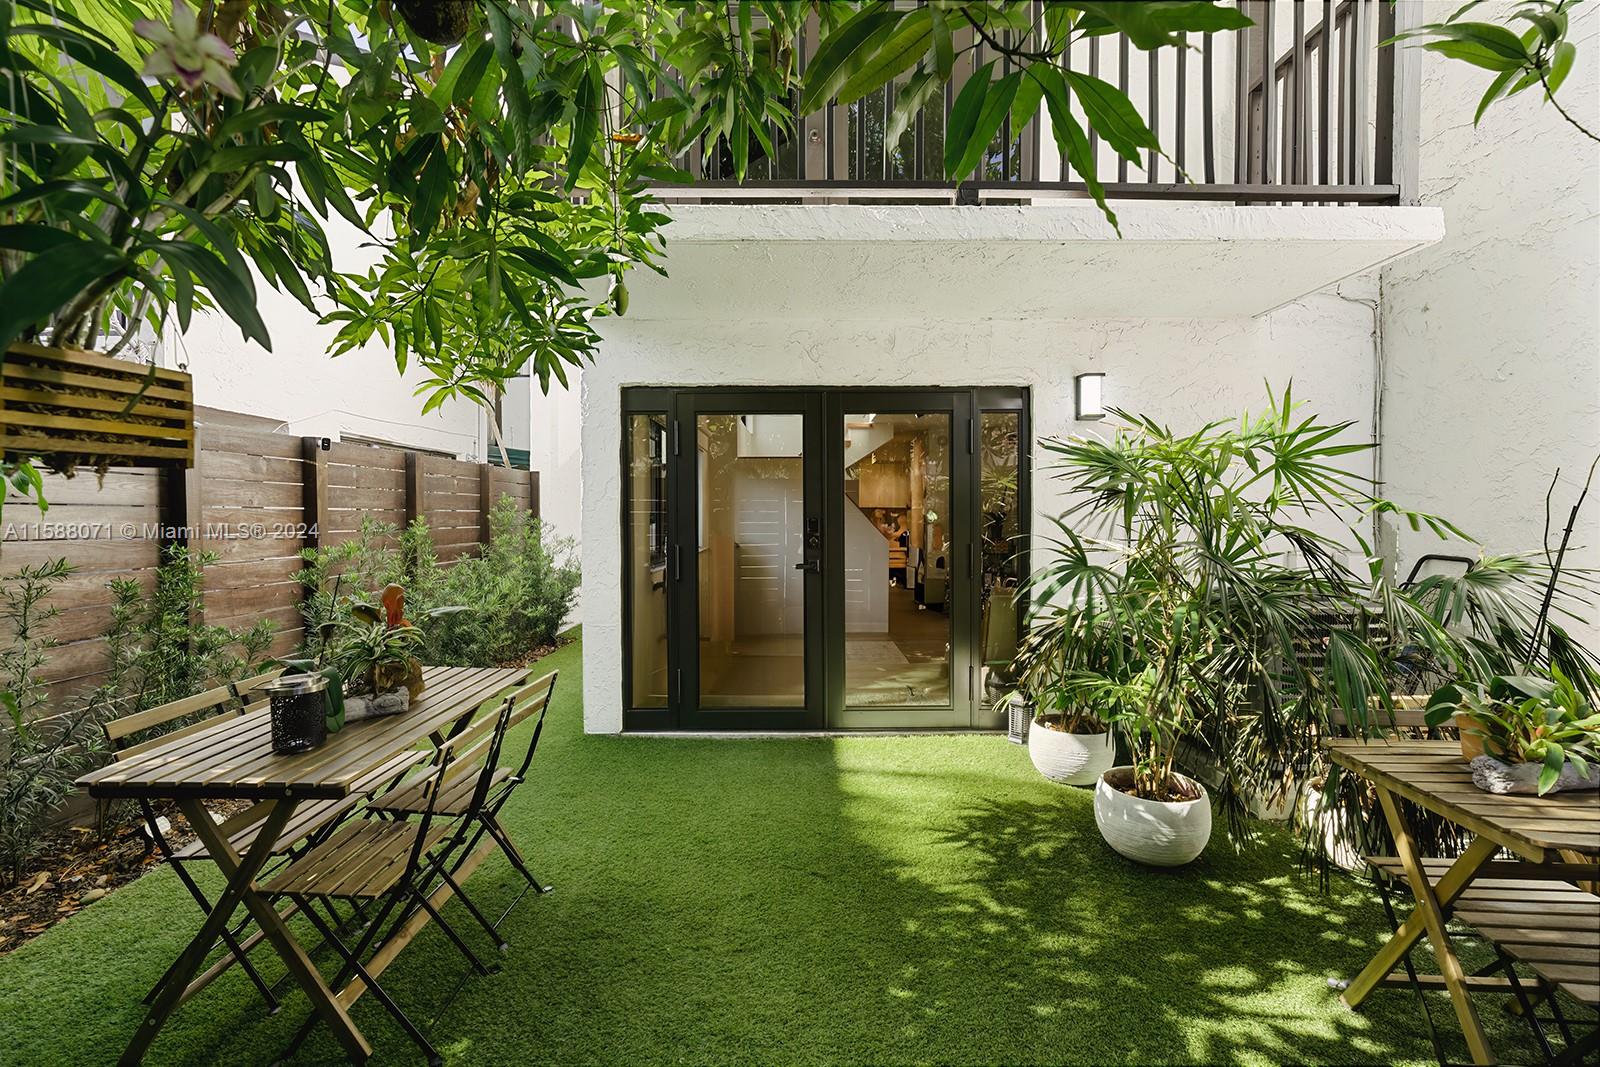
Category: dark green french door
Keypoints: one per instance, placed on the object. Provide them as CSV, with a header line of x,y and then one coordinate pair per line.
x,y
819,559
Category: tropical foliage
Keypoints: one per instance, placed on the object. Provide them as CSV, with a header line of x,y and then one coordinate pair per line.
x,y
499,161
1526,719
1541,54
1215,595
480,610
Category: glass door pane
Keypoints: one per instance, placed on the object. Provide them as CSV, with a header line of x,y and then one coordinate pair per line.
x,y
898,560
647,559
751,526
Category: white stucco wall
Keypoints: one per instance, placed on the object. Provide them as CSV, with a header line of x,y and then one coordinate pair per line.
x,y
1491,339
1180,370
315,394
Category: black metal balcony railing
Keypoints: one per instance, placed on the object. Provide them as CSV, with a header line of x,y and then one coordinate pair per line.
x,y
1302,107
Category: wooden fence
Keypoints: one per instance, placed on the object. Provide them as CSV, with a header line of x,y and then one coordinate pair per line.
x,y
255,500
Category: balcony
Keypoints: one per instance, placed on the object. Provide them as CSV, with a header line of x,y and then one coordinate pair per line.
x,y
1288,165
1302,108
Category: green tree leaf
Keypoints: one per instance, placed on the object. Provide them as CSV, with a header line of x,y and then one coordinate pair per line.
x,y
1112,115
964,115
844,51
898,54
48,282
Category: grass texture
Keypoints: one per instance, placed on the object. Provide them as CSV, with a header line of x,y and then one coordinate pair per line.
x,y
883,900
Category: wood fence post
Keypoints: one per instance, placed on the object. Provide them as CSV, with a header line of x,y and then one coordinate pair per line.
x,y
485,503
314,482
533,493
178,514
415,486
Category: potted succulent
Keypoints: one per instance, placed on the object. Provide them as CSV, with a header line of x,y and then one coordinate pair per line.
x,y
1530,734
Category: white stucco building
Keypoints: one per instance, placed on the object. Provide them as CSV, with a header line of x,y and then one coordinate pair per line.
x,y
1447,304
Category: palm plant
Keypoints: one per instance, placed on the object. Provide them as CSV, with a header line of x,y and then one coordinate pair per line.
x,y
1199,598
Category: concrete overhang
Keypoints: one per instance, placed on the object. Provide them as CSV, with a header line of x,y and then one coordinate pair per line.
x,y
863,262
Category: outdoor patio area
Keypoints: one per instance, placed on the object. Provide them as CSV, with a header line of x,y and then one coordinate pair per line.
x,y
905,899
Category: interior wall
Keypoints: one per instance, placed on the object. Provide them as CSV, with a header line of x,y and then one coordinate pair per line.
x,y
1181,371
1491,339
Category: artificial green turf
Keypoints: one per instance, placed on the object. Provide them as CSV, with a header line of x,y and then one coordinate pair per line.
x,y
840,900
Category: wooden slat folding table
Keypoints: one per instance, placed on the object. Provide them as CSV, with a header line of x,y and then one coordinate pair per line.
x,y
1554,837
233,759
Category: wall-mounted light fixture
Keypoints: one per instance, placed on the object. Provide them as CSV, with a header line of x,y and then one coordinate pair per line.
x,y
1088,399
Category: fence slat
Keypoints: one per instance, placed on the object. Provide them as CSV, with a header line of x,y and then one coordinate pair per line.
x,y
247,500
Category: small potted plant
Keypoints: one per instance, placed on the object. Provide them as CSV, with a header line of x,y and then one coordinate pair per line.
x,y
1068,742
369,656
1523,733
1068,739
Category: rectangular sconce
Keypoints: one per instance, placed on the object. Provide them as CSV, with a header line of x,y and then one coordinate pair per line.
x,y
1087,397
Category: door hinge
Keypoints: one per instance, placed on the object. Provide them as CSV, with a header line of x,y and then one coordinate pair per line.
x,y
677,686
972,436
677,563
674,425
971,681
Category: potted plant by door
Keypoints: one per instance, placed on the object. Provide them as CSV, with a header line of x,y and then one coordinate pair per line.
x,y
1071,745
1532,734
1068,740
1186,580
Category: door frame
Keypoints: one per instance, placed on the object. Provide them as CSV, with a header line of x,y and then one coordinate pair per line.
x,y
824,409
683,621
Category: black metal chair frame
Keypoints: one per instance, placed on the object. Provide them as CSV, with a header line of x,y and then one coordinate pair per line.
x,y
425,871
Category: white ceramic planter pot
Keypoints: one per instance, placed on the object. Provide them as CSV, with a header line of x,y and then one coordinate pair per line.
x,y
1159,833
1071,759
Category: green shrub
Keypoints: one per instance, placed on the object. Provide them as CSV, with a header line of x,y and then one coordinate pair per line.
x,y
40,753
159,650
376,556
517,594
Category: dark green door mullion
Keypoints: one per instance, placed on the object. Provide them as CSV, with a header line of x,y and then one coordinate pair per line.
x,y
963,475
683,660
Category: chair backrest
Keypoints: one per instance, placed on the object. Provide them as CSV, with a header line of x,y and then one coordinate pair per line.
x,y
245,688
525,702
474,748
1408,718
120,732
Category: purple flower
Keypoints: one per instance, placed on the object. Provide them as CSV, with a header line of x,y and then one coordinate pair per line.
x,y
184,53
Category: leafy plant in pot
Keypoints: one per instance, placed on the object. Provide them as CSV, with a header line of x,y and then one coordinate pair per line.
x,y
1532,734
1188,579
1069,741
368,655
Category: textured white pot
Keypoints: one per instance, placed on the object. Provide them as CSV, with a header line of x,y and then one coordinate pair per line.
x,y
1071,759
1159,833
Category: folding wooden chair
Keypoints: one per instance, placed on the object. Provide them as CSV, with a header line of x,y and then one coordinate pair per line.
x,y
212,705
392,863
131,735
456,800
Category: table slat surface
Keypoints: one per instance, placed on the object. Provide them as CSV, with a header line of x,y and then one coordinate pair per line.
x,y
1433,775
234,758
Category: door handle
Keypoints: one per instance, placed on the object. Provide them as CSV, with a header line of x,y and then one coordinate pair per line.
x,y
810,566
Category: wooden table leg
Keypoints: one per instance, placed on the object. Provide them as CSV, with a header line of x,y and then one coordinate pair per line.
x,y
272,924
1428,918
240,874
